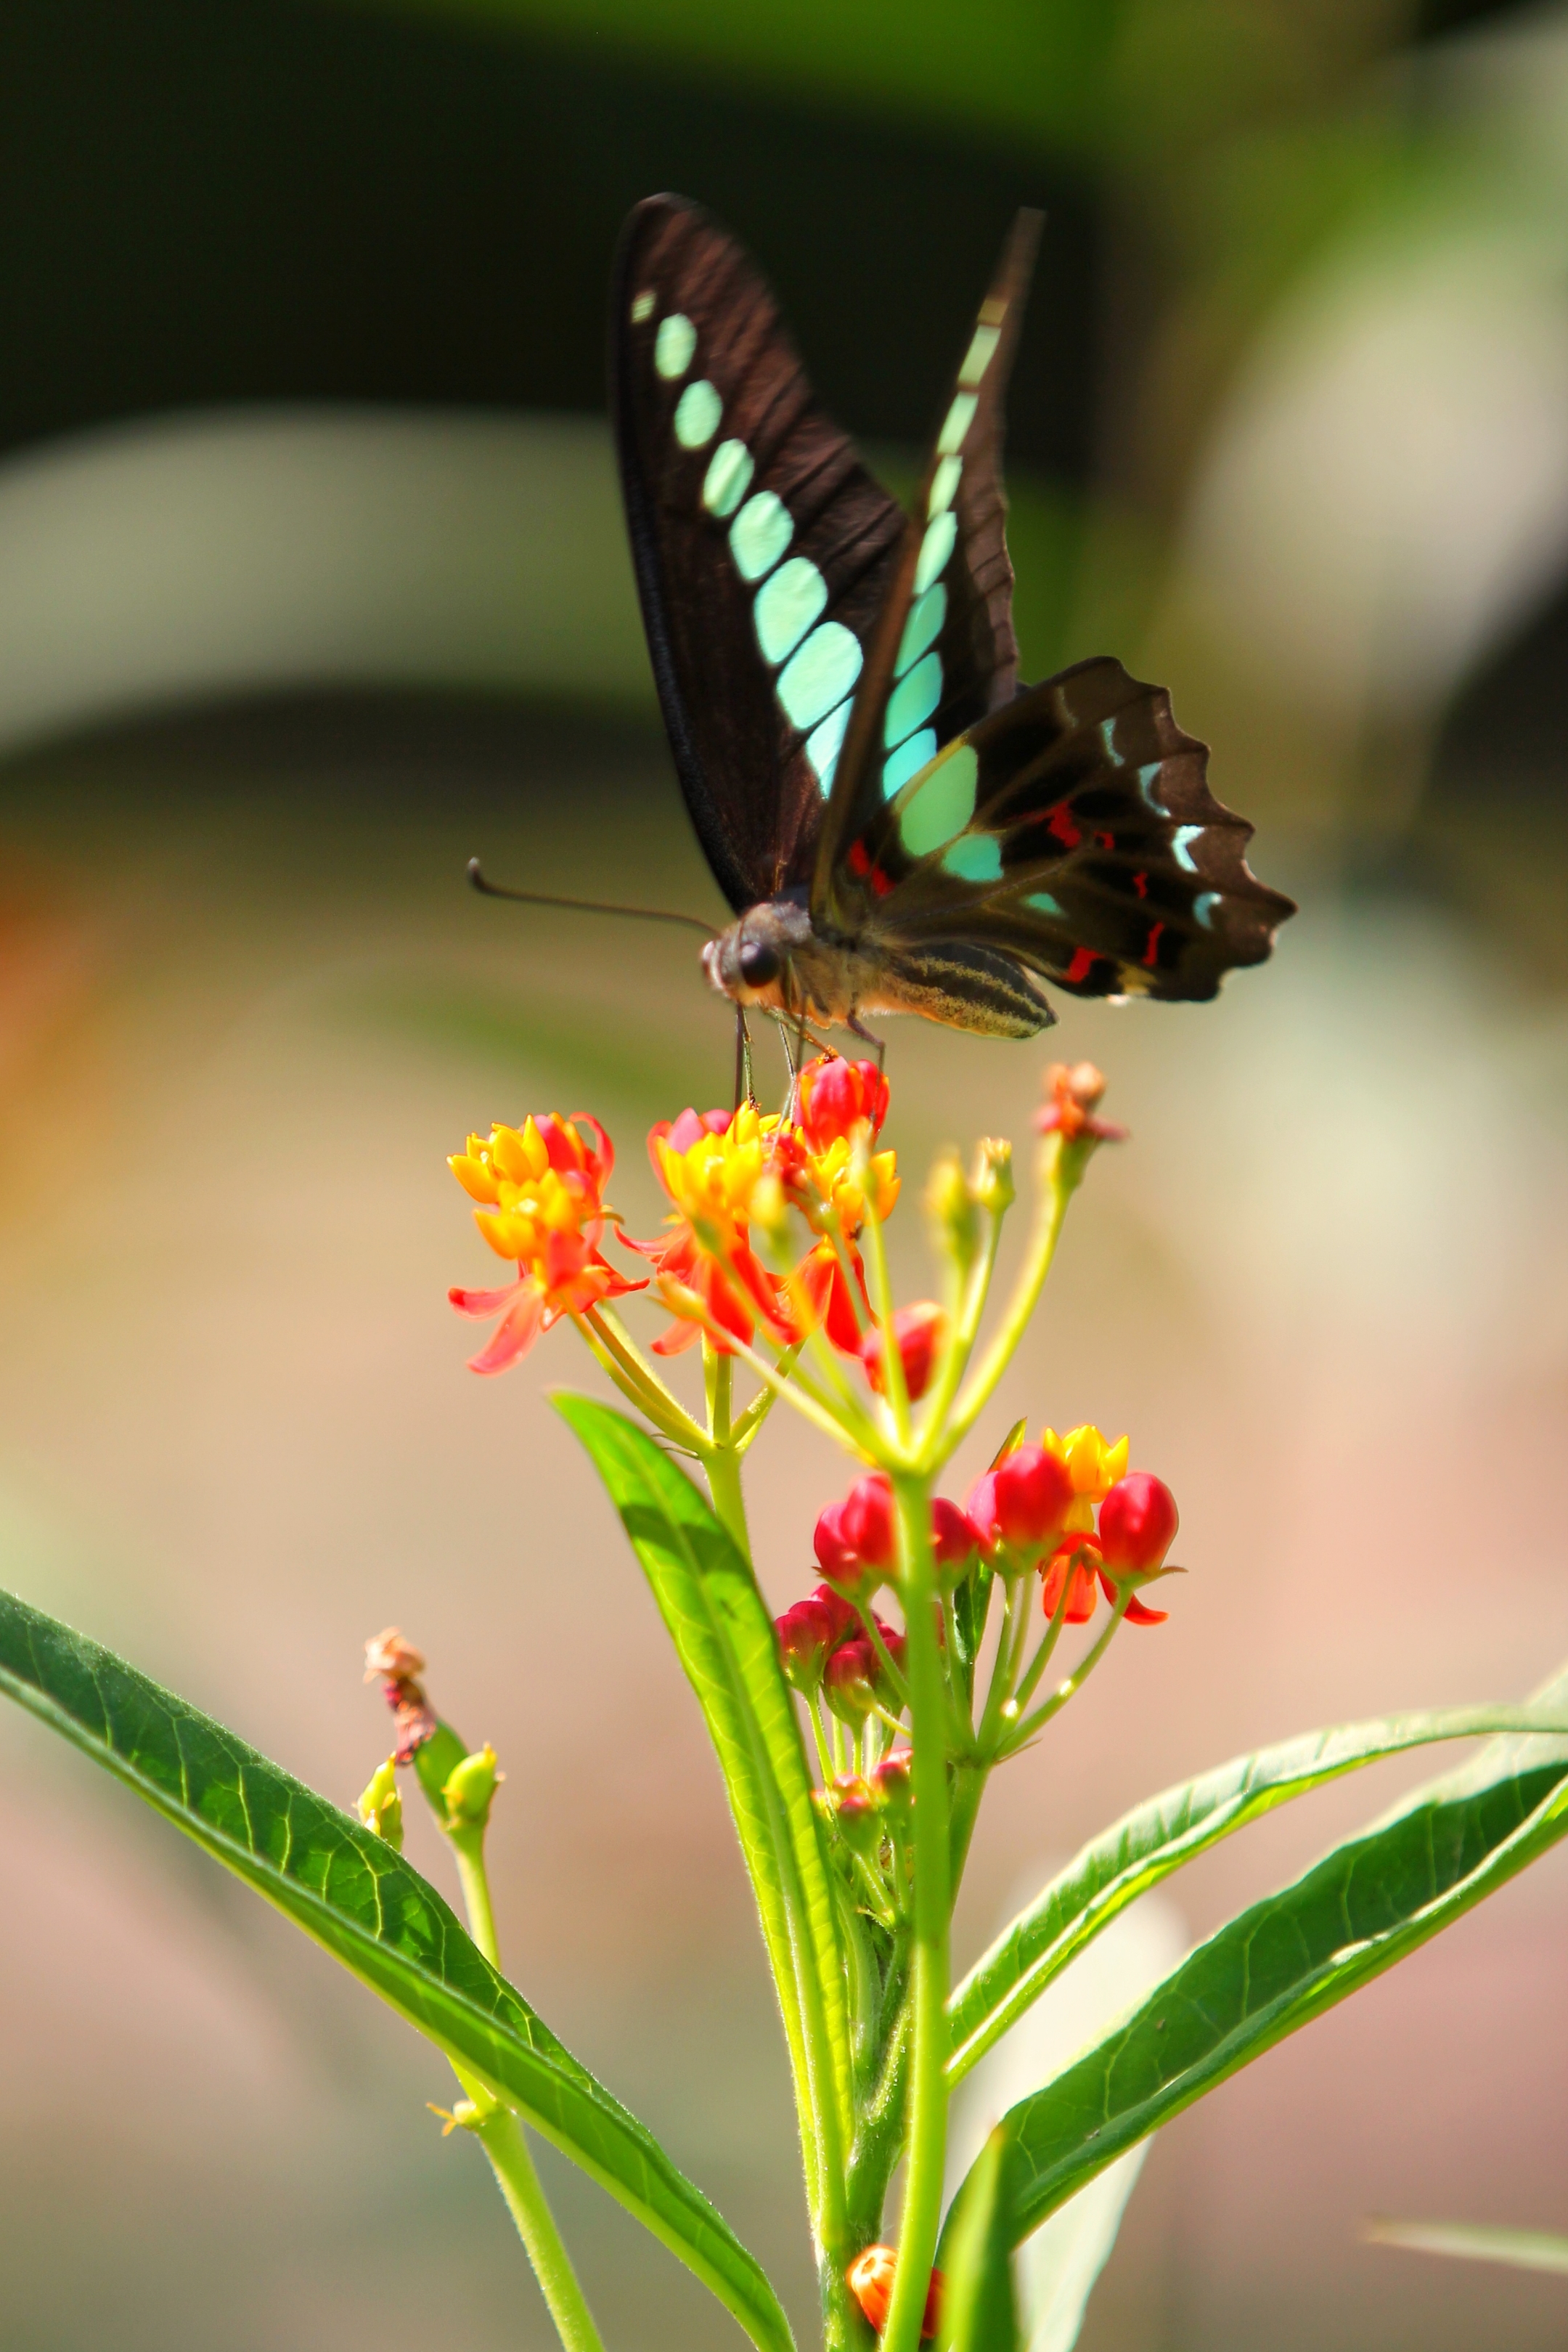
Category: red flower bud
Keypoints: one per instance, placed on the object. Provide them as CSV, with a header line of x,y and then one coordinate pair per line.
x,y
1033,1493
835,1553
850,1683
891,1779
920,1333
837,1095
866,1521
808,1635
869,2277
955,1537
980,1509
1138,1522
842,1615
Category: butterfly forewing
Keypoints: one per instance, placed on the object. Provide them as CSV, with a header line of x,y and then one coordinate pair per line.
x,y
763,547
1074,831
943,654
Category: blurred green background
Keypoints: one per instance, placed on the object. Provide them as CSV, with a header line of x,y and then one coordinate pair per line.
x,y
312,584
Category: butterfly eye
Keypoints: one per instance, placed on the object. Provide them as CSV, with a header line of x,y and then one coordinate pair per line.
x,y
759,963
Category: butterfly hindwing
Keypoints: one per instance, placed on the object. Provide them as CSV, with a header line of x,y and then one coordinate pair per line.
x,y
763,547
1075,833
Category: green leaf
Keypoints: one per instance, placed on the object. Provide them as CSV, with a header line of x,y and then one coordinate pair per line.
x,y
1285,1960
1156,1838
724,1637
979,2307
1524,2250
363,1903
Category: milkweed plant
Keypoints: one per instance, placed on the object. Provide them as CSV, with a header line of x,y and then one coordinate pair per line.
x,y
857,1734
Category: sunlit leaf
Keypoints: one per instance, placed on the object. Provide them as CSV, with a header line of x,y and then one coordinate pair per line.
x,y
367,1906
979,2306
1524,2250
724,1640
1286,1960
1156,1838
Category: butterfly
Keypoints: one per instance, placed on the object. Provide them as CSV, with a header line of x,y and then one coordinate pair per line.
x,y
898,824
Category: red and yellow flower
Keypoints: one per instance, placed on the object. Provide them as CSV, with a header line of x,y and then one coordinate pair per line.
x,y
538,1191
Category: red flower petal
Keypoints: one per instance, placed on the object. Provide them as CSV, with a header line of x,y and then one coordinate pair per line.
x,y
514,1335
484,1302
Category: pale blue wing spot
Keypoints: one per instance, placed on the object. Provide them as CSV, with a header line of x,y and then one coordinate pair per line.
x,y
955,424
1179,850
907,761
1202,908
674,345
759,534
698,413
1147,780
943,804
911,704
935,548
1108,737
729,477
643,308
976,858
944,484
922,627
786,606
823,746
980,355
1045,903
821,674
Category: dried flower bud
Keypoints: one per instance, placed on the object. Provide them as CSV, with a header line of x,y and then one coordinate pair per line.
x,y
379,1804
992,1182
921,1333
869,2277
470,1787
387,1653
1032,1494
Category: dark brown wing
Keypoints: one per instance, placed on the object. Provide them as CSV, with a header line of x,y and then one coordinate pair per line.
x,y
763,547
944,654
1074,832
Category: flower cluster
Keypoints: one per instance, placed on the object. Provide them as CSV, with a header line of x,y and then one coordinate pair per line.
x,y
540,1191
1040,1501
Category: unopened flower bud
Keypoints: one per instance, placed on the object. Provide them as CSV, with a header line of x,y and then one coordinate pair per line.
x,y
848,1684
950,1208
1138,1521
869,2277
892,1780
992,1182
920,1333
381,1804
470,1788
955,1537
808,1635
866,1523
836,1097
1032,1496
854,1809
1072,1094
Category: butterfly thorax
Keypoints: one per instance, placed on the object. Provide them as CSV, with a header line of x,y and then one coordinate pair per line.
x,y
774,958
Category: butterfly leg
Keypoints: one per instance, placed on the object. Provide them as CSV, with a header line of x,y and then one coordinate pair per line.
x,y
880,1043
743,1089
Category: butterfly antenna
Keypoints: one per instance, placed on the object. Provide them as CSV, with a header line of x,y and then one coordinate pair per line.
x,y
489,889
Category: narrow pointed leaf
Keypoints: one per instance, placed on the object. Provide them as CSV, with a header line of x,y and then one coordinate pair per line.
x,y
1285,1960
1174,1828
724,1637
979,2304
373,1912
1523,2250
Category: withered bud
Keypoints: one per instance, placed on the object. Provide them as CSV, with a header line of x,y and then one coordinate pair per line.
x,y
387,1653
992,1182
950,1209
1072,1094
414,1720
379,1804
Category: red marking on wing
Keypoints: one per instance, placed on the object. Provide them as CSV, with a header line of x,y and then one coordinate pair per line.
x,y
1141,884
1106,840
1153,948
1060,824
880,882
858,860
1081,967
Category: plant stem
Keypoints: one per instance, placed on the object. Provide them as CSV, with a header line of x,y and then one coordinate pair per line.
x,y
1061,1173
502,2137
1076,1680
928,1997
503,2141
721,1460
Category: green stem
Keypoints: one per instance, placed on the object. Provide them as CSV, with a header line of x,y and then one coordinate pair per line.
x,y
928,1999
1076,1680
636,1381
1061,1173
503,2141
502,2137
894,1386
961,1344
721,1460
